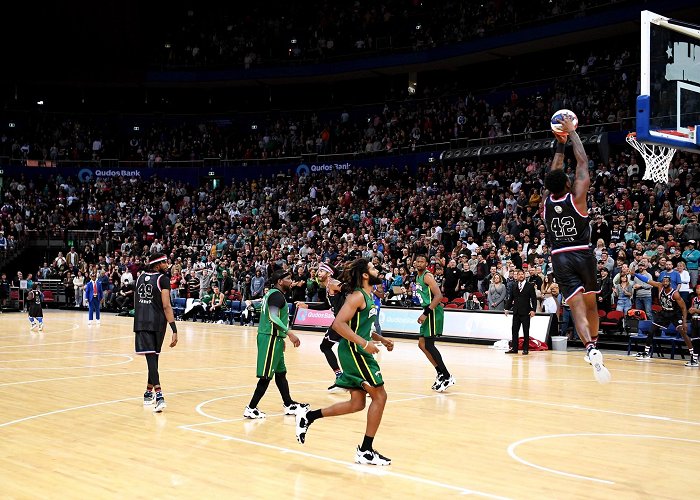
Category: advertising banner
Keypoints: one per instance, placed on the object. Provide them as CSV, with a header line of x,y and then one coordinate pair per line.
x,y
458,322
313,319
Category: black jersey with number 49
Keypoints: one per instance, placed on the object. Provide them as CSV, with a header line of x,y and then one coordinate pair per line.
x,y
567,228
148,304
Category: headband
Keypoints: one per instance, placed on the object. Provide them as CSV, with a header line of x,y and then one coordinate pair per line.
x,y
159,259
325,267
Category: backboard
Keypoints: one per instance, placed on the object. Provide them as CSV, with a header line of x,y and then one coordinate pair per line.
x,y
668,107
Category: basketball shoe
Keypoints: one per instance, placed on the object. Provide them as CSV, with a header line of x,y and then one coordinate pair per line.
x,y
602,374
643,356
160,405
448,382
371,457
438,382
294,407
148,398
693,363
302,426
253,413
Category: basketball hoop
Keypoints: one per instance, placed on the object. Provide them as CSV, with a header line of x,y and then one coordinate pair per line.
x,y
657,158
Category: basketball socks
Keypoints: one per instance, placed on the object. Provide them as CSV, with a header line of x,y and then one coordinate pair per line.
x,y
259,392
283,386
314,415
366,443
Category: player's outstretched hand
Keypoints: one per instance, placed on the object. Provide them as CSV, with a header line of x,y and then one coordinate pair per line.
x,y
561,137
567,124
301,305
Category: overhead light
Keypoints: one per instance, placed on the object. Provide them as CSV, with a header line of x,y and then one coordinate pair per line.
x,y
136,128
167,45
293,41
40,103
253,127
11,125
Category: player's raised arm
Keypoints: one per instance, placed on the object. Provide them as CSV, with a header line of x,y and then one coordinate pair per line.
x,y
558,161
582,180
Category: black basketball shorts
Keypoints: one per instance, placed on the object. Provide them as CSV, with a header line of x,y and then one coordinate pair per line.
x,y
575,272
147,342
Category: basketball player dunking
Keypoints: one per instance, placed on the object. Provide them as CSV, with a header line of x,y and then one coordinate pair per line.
x,y
569,233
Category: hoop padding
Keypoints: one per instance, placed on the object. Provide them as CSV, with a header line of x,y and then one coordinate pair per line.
x,y
657,159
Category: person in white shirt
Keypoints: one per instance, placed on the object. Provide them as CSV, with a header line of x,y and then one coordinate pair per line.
x,y
684,286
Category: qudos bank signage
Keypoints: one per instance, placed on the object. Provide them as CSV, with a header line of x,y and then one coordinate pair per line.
x,y
304,169
86,174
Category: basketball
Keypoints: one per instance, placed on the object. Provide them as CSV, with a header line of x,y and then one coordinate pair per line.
x,y
556,126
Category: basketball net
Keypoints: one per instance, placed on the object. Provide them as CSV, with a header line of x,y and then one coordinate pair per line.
x,y
657,158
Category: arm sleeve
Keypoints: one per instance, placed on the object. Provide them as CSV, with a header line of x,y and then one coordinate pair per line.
x,y
275,302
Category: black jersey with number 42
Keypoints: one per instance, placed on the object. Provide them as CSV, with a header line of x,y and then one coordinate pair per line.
x,y
567,228
148,304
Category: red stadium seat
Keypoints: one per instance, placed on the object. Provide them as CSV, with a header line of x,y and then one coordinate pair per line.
x,y
48,296
612,321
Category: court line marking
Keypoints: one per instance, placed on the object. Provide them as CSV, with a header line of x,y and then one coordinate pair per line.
x,y
351,465
217,420
128,359
577,407
513,455
67,342
76,326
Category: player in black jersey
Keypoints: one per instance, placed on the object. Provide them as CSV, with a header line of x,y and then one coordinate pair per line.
x,y
152,313
36,314
694,311
673,312
330,297
568,232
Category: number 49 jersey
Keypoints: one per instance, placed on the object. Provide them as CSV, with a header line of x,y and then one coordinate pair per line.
x,y
148,304
567,228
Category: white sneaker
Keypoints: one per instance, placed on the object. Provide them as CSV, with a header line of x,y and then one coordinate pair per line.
x,y
693,363
41,327
98,322
160,405
89,323
253,413
294,407
437,383
445,384
302,425
371,457
602,374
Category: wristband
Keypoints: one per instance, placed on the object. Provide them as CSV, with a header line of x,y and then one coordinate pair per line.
x,y
173,326
427,310
641,277
561,147
366,344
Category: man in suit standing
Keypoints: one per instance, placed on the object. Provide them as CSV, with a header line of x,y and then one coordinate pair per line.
x,y
523,302
93,295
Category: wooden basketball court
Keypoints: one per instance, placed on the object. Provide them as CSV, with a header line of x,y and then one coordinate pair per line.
x,y
72,422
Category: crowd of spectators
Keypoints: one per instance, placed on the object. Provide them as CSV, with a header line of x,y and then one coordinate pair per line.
x,y
602,94
474,221
250,35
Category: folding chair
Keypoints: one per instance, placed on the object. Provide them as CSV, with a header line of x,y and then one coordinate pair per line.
x,y
643,331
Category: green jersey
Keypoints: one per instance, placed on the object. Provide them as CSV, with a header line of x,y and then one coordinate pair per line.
x,y
267,326
361,323
423,290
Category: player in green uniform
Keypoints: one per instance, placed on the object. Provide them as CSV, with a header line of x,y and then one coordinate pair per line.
x,y
272,330
361,373
431,322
